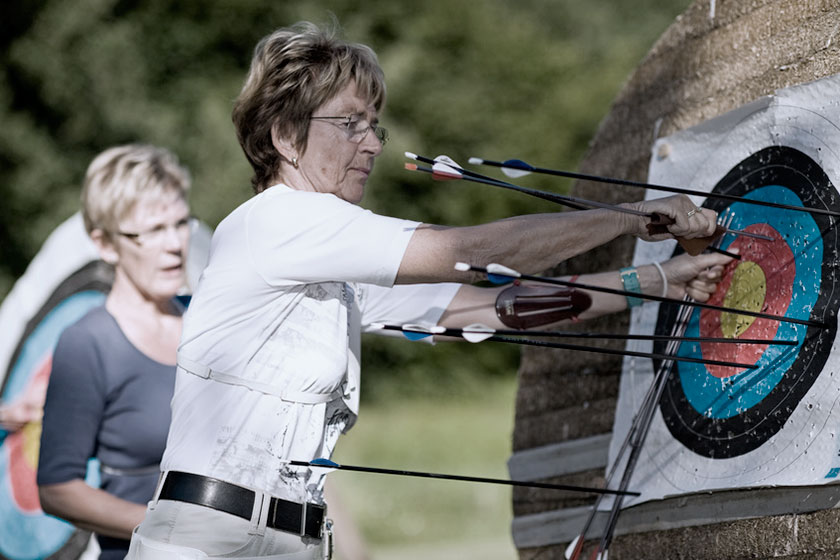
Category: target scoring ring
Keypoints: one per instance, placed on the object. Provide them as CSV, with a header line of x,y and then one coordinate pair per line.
x,y
761,281
727,413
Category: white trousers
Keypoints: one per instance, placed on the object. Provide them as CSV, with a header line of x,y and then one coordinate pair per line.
x,y
180,531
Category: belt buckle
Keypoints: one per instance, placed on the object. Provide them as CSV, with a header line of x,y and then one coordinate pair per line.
x,y
327,539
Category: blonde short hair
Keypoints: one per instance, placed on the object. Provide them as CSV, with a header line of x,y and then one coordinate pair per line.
x,y
294,71
119,177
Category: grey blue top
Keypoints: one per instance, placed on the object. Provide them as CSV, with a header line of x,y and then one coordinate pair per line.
x,y
108,400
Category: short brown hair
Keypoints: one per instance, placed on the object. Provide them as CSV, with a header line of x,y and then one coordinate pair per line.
x,y
294,71
120,176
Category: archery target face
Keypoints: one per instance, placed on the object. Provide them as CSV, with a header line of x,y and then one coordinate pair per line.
x,y
26,532
722,412
723,427
63,282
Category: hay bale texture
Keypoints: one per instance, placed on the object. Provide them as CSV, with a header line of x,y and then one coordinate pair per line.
x,y
717,56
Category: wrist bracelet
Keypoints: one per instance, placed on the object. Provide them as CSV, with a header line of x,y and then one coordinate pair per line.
x,y
664,279
630,281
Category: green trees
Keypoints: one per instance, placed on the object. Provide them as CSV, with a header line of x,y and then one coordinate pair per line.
x,y
497,79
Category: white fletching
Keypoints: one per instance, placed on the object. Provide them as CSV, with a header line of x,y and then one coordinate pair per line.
x,y
477,333
431,329
443,158
494,268
318,469
514,173
446,169
418,328
571,548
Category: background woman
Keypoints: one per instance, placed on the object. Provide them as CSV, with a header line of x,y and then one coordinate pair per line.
x,y
113,371
268,364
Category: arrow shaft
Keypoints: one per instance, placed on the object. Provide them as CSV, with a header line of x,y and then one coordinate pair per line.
x,y
642,415
639,428
596,336
441,476
665,188
654,337
571,202
558,198
661,299
568,201
636,436
596,350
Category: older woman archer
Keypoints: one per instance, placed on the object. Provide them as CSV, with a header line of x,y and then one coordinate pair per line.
x,y
268,362
113,372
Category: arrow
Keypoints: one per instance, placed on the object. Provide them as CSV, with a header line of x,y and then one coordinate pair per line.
x,y
326,463
517,168
499,274
449,170
634,439
657,225
446,172
479,333
638,434
596,350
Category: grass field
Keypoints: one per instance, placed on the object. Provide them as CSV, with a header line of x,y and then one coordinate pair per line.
x,y
413,518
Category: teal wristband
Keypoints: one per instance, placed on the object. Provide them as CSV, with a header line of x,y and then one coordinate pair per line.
x,y
630,281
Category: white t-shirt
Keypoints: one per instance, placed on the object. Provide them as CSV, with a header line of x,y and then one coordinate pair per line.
x,y
292,280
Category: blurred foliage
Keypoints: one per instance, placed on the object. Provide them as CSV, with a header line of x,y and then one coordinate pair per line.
x,y
414,518
499,79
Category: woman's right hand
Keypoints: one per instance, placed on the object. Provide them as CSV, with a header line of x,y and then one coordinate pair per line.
x,y
689,220
697,277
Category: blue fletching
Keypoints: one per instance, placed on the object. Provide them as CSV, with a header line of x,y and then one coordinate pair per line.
x,y
416,335
496,279
321,462
518,164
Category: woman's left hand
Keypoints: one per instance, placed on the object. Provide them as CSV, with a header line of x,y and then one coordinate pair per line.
x,y
696,276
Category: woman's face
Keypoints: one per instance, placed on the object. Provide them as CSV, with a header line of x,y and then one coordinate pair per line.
x,y
151,246
336,160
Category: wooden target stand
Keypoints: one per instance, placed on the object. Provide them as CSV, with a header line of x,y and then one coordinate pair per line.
x,y
718,56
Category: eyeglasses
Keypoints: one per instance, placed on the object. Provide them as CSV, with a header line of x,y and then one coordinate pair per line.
x,y
156,236
356,128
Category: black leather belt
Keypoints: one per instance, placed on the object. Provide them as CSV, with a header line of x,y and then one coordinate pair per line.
x,y
235,500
